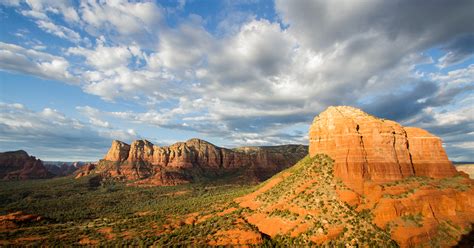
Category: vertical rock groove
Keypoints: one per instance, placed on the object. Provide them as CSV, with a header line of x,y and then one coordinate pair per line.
x,y
409,153
364,152
394,143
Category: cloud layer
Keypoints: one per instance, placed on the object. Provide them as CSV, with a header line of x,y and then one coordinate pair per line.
x,y
261,81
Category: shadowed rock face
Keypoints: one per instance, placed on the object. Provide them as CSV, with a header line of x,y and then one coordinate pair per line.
x,y
177,163
366,148
18,165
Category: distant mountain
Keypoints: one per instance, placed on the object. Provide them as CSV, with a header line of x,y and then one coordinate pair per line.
x,y
59,168
18,165
193,160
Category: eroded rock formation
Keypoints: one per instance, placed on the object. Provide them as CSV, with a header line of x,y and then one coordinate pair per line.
x,y
185,161
18,165
308,203
366,148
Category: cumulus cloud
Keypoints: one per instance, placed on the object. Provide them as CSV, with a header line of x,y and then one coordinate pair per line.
x,y
109,75
261,80
264,77
49,130
18,59
104,57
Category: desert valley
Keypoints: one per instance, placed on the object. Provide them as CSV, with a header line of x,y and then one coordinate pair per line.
x,y
363,181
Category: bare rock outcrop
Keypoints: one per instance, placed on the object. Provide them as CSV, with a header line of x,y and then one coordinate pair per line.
x,y
186,161
85,170
18,165
118,151
466,168
367,148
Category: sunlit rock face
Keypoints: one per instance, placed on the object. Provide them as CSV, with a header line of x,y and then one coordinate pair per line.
x,y
177,163
367,148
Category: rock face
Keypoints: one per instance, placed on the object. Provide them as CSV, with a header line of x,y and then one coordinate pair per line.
x,y
118,151
85,170
366,148
186,161
309,203
466,168
18,165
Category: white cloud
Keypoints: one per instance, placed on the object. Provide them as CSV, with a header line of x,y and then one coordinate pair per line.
x,y
458,76
18,59
183,48
94,116
103,57
39,10
64,8
123,17
458,51
48,130
60,31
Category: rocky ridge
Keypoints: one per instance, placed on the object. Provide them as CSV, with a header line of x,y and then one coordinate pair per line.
x,y
187,161
18,165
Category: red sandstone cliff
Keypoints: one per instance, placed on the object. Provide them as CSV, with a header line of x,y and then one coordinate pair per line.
x,y
18,165
183,161
366,148
397,185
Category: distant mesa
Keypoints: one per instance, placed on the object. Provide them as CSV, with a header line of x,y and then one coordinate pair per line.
x,y
193,160
369,149
18,165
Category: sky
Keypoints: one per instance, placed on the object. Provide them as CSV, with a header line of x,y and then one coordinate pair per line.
x,y
74,75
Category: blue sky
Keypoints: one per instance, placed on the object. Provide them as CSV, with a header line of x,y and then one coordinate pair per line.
x,y
76,74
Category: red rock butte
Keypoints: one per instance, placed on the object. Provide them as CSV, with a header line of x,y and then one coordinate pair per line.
x,y
369,149
175,164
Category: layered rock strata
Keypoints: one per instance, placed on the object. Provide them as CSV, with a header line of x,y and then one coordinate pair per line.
x,y
367,148
182,161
